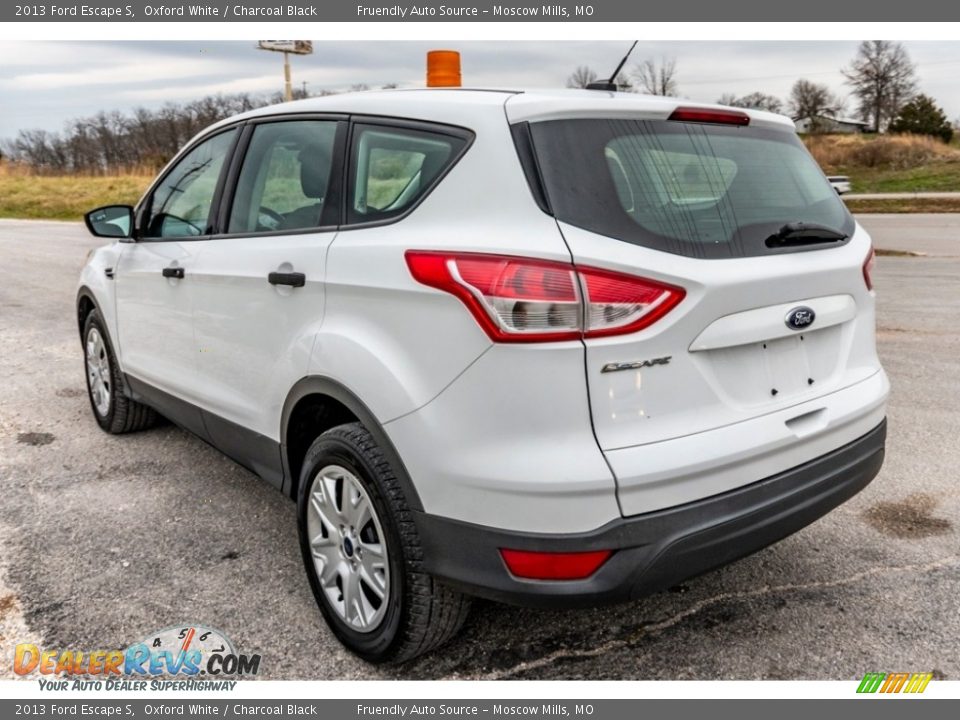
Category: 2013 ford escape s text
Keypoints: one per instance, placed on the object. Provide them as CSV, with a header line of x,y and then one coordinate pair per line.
x,y
553,348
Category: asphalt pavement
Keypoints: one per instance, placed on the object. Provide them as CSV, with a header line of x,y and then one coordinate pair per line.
x,y
105,539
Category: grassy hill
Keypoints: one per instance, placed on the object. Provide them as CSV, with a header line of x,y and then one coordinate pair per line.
x,y
889,163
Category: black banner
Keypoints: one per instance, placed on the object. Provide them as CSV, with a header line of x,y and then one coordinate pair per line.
x,y
875,709
467,11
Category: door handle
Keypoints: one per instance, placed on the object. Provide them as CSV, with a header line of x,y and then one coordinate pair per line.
x,y
293,279
173,272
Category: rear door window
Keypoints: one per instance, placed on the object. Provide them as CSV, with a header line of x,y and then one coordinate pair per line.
x,y
691,189
285,181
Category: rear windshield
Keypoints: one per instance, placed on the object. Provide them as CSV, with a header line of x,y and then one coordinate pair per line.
x,y
700,190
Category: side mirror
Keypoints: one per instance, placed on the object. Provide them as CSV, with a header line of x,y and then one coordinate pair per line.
x,y
111,221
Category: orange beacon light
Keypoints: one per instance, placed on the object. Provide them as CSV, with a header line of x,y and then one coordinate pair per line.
x,y
443,68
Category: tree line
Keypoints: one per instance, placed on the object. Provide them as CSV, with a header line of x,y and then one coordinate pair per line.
x,y
143,139
881,76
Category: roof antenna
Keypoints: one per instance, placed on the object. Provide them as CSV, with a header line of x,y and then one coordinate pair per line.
x,y
611,84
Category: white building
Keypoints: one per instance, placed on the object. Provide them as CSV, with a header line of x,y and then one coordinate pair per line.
x,y
827,124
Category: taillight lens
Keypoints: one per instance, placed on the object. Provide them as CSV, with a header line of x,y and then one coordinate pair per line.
x,y
868,268
554,565
618,304
519,299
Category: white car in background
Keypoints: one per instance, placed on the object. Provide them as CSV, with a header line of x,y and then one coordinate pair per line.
x,y
550,348
840,183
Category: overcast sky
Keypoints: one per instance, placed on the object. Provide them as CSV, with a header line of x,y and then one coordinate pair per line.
x,y
44,84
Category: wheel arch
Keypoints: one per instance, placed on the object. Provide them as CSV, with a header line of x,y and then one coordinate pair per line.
x,y
86,303
314,405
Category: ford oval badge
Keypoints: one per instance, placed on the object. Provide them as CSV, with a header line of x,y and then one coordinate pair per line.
x,y
800,318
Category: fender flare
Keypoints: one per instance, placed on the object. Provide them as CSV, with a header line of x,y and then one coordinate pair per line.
x,y
319,385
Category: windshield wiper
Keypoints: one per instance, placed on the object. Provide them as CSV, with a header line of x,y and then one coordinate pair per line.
x,y
800,233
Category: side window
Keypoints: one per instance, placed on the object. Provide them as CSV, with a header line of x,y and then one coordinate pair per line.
x,y
285,176
393,168
181,204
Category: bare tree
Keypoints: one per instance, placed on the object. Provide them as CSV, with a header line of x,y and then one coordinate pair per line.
x,y
656,79
624,84
753,101
581,77
108,142
812,101
883,79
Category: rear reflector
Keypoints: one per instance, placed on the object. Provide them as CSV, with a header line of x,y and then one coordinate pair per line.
x,y
868,268
554,565
516,299
716,117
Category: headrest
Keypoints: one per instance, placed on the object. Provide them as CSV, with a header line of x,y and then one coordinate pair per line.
x,y
314,170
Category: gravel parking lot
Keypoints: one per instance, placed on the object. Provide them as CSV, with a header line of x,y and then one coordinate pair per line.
x,y
105,539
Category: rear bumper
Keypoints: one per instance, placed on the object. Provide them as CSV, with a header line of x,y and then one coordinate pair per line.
x,y
656,550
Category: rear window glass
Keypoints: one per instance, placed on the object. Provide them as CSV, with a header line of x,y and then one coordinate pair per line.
x,y
691,189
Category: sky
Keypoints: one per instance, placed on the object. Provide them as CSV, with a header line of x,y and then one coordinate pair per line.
x,y
45,84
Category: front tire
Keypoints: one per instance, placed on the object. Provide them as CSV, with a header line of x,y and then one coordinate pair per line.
x,y
362,553
114,411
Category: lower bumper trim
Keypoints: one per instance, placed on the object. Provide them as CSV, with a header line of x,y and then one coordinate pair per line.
x,y
656,550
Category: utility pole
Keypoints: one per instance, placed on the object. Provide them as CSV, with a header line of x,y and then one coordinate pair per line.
x,y
287,87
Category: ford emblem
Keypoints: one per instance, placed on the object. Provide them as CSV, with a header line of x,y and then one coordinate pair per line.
x,y
800,318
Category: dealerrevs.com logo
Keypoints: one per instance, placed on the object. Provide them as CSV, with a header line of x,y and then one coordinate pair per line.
x,y
187,657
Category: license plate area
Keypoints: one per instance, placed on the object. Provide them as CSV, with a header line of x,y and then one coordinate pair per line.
x,y
771,372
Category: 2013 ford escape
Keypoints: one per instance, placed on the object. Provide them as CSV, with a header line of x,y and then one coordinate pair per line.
x,y
553,348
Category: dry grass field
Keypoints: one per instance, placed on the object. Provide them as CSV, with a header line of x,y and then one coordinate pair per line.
x,y
875,163
889,163
24,194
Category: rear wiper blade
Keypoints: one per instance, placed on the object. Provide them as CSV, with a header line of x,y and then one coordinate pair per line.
x,y
801,233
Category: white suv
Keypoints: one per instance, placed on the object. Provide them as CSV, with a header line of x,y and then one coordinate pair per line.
x,y
550,348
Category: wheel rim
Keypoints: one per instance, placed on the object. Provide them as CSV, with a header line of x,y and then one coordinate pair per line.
x,y
348,548
99,378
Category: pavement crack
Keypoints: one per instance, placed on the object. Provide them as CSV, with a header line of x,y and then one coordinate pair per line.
x,y
646,629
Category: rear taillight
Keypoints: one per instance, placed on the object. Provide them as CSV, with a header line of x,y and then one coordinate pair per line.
x,y
554,565
519,299
868,268
714,117
618,304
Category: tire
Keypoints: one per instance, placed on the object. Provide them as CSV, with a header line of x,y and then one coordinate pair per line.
x,y
417,613
114,411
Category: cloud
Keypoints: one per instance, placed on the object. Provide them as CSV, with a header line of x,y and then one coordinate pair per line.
x,y
47,83
117,74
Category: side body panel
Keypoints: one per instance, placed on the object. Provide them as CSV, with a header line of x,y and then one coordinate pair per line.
x,y
490,434
254,339
154,336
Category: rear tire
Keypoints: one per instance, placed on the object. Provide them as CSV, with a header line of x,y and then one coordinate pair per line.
x,y
114,411
417,613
